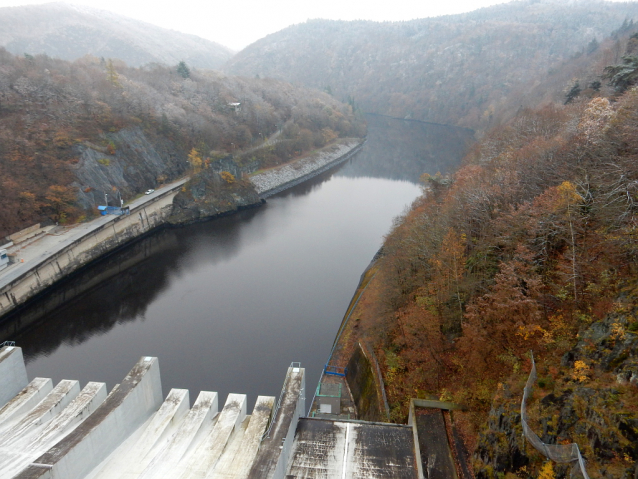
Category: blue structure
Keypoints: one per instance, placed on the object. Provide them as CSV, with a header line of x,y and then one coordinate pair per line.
x,y
114,210
335,370
4,259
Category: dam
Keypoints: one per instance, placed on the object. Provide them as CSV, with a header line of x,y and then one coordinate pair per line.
x,y
64,431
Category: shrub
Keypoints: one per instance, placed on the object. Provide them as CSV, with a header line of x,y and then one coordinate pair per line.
x,y
228,177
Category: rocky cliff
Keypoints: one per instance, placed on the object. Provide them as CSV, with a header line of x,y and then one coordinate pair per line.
x,y
217,190
127,161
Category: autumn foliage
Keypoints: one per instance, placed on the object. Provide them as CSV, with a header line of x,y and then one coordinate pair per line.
x,y
52,110
526,245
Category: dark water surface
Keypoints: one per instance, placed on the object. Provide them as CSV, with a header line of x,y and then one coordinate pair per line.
x,y
228,304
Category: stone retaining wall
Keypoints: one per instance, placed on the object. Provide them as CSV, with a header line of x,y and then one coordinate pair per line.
x,y
286,176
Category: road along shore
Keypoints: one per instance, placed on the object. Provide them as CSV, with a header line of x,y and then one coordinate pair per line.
x,y
54,257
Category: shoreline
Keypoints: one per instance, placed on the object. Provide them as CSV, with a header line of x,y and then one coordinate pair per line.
x,y
281,178
81,246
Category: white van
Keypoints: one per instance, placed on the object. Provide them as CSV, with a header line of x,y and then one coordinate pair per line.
x,y
4,259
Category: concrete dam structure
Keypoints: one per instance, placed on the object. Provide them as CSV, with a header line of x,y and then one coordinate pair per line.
x,y
65,431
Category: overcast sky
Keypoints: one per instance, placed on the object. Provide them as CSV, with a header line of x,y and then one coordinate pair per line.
x,y
238,23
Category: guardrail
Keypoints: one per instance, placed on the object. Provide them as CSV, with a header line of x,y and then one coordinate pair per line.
x,y
335,370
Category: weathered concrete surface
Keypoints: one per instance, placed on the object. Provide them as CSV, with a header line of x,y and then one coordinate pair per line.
x,y
134,455
55,256
204,458
49,407
283,177
340,449
237,463
124,410
131,434
20,451
272,459
24,401
436,456
198,421
13,373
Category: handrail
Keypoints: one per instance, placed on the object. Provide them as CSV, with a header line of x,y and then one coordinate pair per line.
x,y
315,395
7,343
334,370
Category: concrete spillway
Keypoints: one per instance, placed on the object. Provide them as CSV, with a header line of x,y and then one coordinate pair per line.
x,y
64,431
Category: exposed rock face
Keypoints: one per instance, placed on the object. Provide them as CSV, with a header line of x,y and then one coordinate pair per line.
x,y
217,190
134,163
598,412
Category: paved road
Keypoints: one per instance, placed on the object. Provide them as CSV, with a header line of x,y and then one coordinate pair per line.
x,y
35,251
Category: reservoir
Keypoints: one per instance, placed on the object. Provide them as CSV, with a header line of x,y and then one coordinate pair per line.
x,y
228,304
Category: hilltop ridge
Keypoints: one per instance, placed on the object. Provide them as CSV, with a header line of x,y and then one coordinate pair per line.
x,y
473,70
69,32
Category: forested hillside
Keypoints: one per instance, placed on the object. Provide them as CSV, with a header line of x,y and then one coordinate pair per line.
x,y
72,131
472,70
531,245
70,32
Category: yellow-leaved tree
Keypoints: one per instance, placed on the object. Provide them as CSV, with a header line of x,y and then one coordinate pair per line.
x,y
195,160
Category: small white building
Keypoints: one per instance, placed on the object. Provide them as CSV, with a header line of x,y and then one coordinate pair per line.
x,y
236,106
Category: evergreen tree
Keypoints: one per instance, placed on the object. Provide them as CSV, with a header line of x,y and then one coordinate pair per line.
x,y
183,70
573,93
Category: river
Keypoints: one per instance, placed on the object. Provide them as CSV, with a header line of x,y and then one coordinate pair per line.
x,y
228,304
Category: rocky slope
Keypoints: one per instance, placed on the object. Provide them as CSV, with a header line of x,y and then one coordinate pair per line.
x,y
220,189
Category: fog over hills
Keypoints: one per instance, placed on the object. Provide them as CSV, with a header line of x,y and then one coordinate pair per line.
x,y
470,70
69,32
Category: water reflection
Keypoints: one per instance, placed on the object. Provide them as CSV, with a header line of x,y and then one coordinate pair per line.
x,y
405,149
226,305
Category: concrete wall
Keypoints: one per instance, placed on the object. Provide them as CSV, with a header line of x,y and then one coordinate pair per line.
x,y
13,373
110,233
366,386
24,234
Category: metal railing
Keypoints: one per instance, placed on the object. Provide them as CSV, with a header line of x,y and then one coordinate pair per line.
x,y
335,370
562,453
7,343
